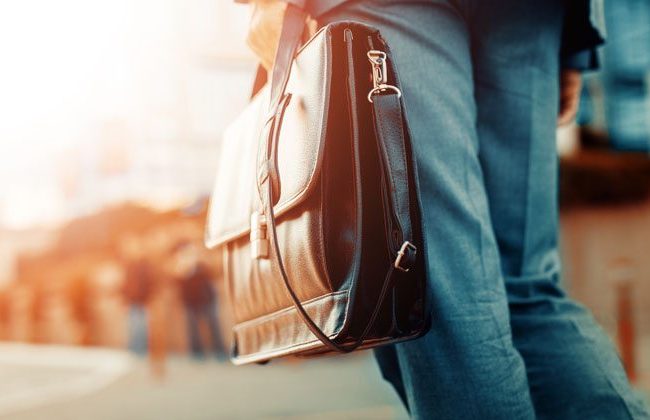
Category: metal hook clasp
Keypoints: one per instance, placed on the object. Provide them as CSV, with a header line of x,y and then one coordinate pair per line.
x,y
378,60
380,74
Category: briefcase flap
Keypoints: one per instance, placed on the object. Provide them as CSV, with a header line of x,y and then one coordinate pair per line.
x,y
300,146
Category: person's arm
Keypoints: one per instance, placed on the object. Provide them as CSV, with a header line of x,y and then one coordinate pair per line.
x,y
570,86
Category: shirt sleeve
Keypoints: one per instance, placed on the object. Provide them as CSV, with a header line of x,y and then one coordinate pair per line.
x,y
582,60
581,36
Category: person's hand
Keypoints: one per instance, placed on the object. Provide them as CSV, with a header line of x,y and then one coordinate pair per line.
x,y
570,86
265,28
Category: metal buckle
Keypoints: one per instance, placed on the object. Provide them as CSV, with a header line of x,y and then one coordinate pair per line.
x,y
400,255
380,74
258,237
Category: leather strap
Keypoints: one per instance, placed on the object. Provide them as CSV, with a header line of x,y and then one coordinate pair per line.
x,y
389,128
388,119
293,26
391,139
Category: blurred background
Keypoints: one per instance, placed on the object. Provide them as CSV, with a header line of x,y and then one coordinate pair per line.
x,y
111,115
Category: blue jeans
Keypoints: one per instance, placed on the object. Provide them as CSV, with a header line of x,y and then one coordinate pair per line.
x,y
480,85
138,337
208,313
624,75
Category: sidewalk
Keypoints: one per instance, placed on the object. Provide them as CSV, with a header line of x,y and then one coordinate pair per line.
x,y
51,383
34,376
71,383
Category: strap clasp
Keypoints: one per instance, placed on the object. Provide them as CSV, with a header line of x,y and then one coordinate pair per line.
x,y
258,237
380,74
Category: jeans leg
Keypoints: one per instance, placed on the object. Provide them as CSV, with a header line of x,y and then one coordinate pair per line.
x,y
138,335
210,314
389,365
193,333
465,366
573,370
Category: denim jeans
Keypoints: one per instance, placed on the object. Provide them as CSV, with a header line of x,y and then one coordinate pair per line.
x,y
195,314
624,76
480,86
138,336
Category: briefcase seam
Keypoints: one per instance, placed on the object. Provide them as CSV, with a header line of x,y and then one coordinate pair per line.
x,y
280,312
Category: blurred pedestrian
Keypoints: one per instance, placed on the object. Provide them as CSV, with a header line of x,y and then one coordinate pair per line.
x,y
136,291
623,77
79,297
200,301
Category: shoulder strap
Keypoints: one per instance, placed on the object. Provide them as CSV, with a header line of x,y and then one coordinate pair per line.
x,y
293,26
388,123
389,128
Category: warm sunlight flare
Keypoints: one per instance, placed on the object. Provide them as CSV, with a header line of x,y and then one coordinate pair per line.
x,y
105,93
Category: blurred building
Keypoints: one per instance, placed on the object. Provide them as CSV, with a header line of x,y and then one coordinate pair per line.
x,y
16,242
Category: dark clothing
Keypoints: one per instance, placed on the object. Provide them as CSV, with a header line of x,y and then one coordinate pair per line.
x,y
582,30
196,287
579,37
138,329
137,288
138,282
208,314
199,298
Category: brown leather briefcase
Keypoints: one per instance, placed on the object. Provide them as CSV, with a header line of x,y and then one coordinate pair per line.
x,y
315,205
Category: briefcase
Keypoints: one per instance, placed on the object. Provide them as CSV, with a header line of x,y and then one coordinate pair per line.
x,y
315,205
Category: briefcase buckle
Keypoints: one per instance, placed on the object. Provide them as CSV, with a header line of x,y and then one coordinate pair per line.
x,y
406,251
258,237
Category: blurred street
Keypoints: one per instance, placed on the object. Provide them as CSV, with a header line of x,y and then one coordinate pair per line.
x,y
45,382
112,128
